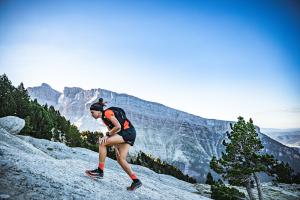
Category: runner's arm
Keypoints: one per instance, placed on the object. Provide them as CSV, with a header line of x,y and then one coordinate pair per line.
x,y
117,126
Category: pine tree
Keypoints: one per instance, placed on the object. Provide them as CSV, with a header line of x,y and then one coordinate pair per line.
x,y
209,179
73,136
28,126
7,101
283,172
22,100
242,159
42,123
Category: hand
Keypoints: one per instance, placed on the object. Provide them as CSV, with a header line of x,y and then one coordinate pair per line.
x,y
103,140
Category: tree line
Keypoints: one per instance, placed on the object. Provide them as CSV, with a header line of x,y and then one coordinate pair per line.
x,y
161,167
40,121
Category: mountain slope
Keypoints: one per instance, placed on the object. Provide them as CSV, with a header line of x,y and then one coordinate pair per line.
x,y
40,169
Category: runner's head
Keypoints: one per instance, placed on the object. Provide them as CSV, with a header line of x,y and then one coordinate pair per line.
x,y
97,108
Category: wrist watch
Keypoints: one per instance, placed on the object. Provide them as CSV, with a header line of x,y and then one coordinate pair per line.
x,y
107,134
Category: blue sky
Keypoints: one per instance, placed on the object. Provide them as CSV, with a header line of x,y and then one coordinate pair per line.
x,y
216,59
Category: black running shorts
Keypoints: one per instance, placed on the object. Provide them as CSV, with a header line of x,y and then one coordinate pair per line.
x,y
128,135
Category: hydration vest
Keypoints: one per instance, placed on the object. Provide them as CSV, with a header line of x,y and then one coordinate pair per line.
x,y
121,117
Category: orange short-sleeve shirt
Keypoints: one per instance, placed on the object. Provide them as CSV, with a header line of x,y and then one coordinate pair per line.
x,y
109,113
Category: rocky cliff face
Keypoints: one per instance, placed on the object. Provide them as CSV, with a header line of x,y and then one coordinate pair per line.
x,y
40,169
49,95
180,138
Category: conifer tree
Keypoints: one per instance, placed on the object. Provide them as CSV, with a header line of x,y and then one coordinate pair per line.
x,y
22,100
209,179
7,101
242,159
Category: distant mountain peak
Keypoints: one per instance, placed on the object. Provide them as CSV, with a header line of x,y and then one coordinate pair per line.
x,y
45,94
46,85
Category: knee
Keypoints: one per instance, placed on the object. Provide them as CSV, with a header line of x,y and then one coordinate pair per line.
x,y
118,158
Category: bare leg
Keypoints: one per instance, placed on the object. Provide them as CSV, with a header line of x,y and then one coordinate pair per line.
x,y
123,150
115,139
102,153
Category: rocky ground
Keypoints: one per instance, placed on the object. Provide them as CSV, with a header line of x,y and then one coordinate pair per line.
x,y
40,169
270,191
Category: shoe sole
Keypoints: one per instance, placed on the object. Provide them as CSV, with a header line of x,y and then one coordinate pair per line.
x,y
92,176
136,187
